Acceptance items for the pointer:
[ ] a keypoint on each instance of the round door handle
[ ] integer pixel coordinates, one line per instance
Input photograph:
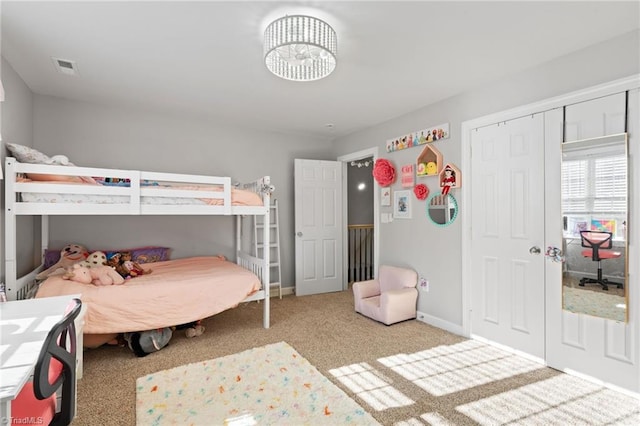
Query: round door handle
(299, 234)
(535, 250)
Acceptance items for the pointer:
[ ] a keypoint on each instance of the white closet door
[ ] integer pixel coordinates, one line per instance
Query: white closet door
(595, 118)
(507, 247)
(597, 347)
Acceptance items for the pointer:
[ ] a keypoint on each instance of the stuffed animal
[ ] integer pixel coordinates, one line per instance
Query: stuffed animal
(97, 258)
(192, 329)
(114, 261)
(132, 267)
(142, 343)
(69, 255)
(98, 275)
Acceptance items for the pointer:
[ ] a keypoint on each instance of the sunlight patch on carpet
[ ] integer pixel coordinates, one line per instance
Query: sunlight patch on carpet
(432, 419)
(370, 385)
(272, 384)
(562, 399)
(452, 368)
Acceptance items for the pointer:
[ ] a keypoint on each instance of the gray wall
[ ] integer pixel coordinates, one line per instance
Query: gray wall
(94, 135)
(17, 127)
(105, 136)
(436, 252)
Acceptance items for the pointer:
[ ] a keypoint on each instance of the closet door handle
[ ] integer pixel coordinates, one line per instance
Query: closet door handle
(535, 250)
(299, 234)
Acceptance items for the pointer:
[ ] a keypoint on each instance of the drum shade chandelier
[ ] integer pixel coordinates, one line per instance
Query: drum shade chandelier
(300, 48)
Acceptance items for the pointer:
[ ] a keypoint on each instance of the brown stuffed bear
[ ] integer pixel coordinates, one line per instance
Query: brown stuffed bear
(133, 267)
(115, 262)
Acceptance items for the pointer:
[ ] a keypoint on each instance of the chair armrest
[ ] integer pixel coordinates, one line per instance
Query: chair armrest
(398, 305)
(364, 289)
(403, 296)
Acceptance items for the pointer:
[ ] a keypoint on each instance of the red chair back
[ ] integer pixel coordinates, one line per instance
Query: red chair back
(55, 367)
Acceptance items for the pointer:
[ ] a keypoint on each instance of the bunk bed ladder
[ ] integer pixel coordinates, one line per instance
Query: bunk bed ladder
(258, 225)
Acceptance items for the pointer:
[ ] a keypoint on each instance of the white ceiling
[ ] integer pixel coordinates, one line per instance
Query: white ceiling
(204, 59)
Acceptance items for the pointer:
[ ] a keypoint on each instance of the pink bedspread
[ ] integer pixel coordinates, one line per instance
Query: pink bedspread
(176, 292)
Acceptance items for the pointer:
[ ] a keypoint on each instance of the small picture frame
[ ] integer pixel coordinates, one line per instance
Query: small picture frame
(408, 176)
(385, 196)
(402, 204)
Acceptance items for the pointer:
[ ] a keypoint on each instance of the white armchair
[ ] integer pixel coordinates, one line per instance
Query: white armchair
(390, 298)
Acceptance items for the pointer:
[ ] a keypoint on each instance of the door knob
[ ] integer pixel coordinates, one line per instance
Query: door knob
(555, 254)
(535, 250)
(299, 234)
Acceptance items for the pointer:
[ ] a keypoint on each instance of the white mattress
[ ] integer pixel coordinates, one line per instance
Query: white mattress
(34, 197)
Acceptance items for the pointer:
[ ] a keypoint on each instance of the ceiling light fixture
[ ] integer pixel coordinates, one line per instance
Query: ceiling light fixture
(300, 48)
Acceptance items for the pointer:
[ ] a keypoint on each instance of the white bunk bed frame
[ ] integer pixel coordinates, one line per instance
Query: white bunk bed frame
(17, 288)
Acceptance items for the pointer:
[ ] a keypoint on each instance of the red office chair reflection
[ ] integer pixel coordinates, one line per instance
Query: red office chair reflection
(56, 366)
(599, 244)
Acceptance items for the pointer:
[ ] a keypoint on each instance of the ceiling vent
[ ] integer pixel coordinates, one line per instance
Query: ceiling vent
(65, 66)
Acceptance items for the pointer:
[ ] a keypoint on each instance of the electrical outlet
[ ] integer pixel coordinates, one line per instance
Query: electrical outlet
(423, 284)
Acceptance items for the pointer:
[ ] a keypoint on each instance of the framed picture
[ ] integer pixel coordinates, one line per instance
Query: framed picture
(402, 204)
(407, 176)
(385, 196)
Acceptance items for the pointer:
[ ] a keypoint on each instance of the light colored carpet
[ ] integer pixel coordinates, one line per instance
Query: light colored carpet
(267, 385)
(407, 374)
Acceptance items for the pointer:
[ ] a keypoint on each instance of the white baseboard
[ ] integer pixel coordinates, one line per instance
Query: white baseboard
(509, 349)
(285, 291)
(440, 323)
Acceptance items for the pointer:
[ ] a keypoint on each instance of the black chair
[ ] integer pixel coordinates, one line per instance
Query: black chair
(598, 245)
(56, 366)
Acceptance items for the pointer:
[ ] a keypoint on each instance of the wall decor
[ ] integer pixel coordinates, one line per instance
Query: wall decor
(421, 191)
(407, 176)
(450, 178)
(442, 209)
(429, 162)
(419, 137)
(384, 172)
(402, 204)
(385, 196)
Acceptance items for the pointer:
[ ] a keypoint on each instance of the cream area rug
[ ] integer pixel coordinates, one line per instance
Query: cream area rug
(582, 301)
(268, 385)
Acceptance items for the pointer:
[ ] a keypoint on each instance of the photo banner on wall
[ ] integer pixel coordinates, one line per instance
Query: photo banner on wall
(419, 137)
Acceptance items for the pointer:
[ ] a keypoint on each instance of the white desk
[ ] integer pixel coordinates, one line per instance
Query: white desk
(24, 325)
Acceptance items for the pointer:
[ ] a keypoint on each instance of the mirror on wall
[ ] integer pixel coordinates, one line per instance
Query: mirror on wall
(442, 209)
(595, 220)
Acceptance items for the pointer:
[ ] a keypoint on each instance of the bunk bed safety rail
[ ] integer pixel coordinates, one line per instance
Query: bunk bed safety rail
(262, 186)
(252, 264)
(160, 186)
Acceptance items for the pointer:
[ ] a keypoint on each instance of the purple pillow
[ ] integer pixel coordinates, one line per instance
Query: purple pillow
(145, 254)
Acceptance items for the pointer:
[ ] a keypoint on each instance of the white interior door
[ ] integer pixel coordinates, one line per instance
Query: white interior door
(598, 347)
(318, 226)
(507, 234)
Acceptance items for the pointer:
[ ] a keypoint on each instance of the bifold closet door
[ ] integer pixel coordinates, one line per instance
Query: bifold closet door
(507, 234)
(605, 349)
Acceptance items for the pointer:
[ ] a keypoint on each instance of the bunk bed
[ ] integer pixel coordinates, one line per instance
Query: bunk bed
(46, 190)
